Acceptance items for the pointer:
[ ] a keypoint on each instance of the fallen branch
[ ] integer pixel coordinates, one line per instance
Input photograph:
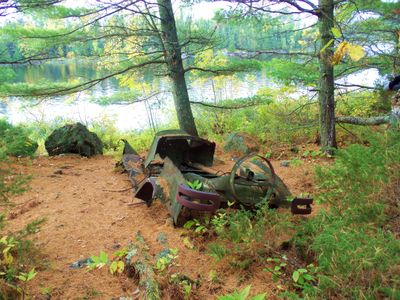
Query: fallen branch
(364, 121)
(136, 203)
(118, 191)
(226, 107)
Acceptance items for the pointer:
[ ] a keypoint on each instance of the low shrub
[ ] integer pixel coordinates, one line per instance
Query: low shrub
(15, 141)
(355, 251)
(18, 257)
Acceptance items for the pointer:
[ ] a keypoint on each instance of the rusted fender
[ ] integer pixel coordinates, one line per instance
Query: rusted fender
(152, 188)
(186, 196)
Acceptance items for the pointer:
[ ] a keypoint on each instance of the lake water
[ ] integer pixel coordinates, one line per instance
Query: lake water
(158, 109)
(82, 107)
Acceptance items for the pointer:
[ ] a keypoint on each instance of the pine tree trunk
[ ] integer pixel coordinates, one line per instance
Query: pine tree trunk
(175, 67)
(326, 81)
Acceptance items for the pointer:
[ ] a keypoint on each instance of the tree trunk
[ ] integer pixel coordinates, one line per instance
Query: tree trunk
(175, 67)
(326, 81)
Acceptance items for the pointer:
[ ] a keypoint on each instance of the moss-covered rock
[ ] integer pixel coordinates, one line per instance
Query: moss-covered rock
(74, 138)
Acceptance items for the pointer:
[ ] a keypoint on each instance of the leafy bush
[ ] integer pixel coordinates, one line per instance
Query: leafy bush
(15, 141)
(107, 132)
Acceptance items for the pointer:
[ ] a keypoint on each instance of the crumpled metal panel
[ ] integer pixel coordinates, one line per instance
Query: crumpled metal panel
(173, 178)
(179, 146)
(133, 165)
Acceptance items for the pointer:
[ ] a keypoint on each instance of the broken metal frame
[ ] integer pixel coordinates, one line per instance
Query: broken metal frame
(163, 176)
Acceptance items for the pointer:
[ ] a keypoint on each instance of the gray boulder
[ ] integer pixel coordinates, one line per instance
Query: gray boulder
(74, 138)
(240, 143)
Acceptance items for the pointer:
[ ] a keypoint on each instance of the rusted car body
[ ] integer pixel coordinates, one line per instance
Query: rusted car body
(176, 159)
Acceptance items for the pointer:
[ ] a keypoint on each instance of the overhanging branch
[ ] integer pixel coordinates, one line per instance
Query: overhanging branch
(225, 107)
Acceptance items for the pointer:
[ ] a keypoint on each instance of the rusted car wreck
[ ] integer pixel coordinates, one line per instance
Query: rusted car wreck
(176, 159)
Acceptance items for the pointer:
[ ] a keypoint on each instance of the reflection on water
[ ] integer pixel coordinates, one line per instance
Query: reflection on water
(158, 109)
(56, 71)
(80, 106)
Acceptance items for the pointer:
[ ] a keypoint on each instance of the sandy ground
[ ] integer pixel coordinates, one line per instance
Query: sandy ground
(88, 207)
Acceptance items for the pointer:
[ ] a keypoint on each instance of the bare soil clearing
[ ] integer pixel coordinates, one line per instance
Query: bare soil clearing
(88, 208)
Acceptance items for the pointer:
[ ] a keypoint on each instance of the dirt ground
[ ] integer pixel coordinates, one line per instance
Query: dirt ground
(88, 207)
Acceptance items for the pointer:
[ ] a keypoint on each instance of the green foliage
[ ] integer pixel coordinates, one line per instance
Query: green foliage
(303, 277)
(279, 117)
(11, 184)
(108, 133)
(218, 251)
(15, 141)
(25, 277)
(195, 185)
(352, 238)
(242, 295)
(276, 269)
(16, 259)
(16, 253)
(313, 153)
(296, 162)
(98, 261)
(213, 277)
(32, 227)
(6, 73)
(165, 259)
(184, 282)
(199, 227)
(119, 97)
(117, 266)
(57, 11)
(292, 72)
(364, 104)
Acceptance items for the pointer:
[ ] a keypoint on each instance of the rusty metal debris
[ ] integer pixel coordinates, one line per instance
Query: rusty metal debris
(176, 159)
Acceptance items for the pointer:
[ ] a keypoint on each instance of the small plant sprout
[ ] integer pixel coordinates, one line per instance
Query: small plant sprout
(276, 270)
(302, 277)
(9, 243)
(98, 261)
(219, 221)
(117, 266)
(196, 224)
(184, 282)
(218, 251)
(25, 277)
(121, 253)
(213, 277)
(296, 162)
(166, 259)
(243, 295)
(195, 185)
(188, 244)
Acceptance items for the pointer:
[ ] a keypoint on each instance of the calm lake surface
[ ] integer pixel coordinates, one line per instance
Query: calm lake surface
(158, 109)
(82, 107)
